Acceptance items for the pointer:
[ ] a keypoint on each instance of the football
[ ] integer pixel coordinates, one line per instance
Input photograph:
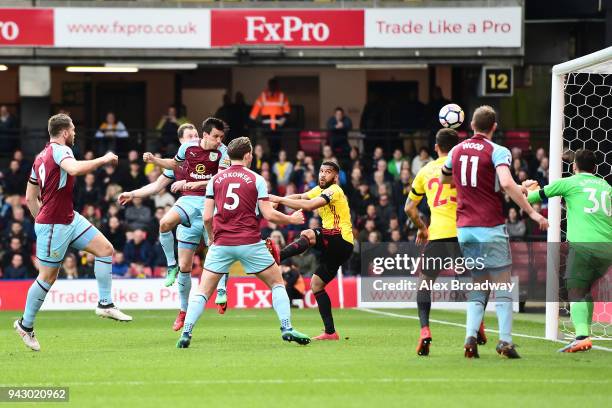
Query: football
(451, 116)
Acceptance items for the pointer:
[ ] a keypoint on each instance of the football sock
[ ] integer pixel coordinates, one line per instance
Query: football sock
(424, 306)
(223, 282)
(36, 296)
(296, 247)
(184, 287)
(590, 305)
(166, 239)
(503, 308)
(325, 311)
(194, 311)
(579, 312)
(475, 312)
(103, 269)
(280, 303)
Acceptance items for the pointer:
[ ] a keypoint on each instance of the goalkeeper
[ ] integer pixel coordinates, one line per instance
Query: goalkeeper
(589, 232)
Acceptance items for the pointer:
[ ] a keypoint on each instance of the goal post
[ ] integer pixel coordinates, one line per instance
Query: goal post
(599, 63)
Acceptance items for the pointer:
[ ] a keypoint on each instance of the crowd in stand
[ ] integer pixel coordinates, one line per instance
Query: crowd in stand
(377, 186)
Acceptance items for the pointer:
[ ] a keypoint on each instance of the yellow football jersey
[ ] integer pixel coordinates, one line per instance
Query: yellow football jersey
(336, 215)
(442, 199)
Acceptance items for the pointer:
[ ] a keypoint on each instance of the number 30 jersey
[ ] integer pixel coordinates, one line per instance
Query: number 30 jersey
(237, 192)
(55, 184)
(441, 198)
(479, 197)
(589, 210)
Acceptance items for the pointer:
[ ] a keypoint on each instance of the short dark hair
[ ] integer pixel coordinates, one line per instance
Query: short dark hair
(484, 118)
(339, 108)
(585, 160)
(57, 123)
(332, 165)
(446, 138)
(213, 123)
(183, 127)
(238, 147)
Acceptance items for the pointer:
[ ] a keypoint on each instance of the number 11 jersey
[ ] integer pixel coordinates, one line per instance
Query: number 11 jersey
(479, 197)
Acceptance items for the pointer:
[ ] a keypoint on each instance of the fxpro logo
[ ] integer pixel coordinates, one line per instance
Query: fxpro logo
(291, 29)
(9, 30)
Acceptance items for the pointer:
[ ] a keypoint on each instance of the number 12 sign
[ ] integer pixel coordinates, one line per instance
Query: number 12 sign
(497, 81)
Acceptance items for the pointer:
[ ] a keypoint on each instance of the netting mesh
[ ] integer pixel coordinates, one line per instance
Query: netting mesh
(587, 125)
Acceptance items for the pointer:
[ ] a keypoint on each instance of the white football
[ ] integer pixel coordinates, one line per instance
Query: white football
(451, 116)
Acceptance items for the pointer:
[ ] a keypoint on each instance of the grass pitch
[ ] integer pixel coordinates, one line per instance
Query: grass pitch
(238, 359)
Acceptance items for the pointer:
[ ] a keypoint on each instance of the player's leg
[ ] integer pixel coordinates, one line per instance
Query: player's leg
(52, 242)
(197, 304)
(318, 282)
(93, 241)
(580, 275)
(428, 275)
(307, 239)
(218, 261)
(177, 215)
(256, 259)
(185, 261)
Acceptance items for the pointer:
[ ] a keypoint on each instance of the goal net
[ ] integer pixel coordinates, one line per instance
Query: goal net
(581, 118)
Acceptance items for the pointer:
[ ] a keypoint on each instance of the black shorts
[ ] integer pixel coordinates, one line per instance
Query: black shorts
(436, 253)
(336, 251)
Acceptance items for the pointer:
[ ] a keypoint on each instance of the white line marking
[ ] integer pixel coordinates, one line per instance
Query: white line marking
(444, 322)
(317, 380)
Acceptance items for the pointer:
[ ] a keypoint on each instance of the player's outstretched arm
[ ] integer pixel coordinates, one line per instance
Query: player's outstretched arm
(304, 203)
(145, 191)
(277, 217)
(81, 167)
(32, 194)
(168, 164)
(516, 194)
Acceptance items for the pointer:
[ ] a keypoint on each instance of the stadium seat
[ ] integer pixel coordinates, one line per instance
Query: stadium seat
(518, 138)
(311, 142)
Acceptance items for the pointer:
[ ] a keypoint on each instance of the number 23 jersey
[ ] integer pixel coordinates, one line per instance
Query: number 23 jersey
(441, 198)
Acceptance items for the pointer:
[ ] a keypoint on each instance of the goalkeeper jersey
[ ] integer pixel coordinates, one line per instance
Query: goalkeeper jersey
(589, 210)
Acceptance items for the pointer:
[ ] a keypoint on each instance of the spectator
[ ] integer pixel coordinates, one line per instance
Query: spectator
(108, 175)
(8, 130)
(306, 263)
(379, 180)
(282, 169)
(381, 166)
(362, 199)
(168, 127)
(16, 247)
(542, 172)
(516, 227)
(92, 214)
(20, 217)
(137, 216)
(273, 109)
(421, 160)
(401, 188)
(396, 236)
(224, 112)
(139, 254)
(533, 229)
(374, 237)
(258, 159)
(16, 269)
(88, 261)
(298, 168)
(120, 266)
(377, 155)
(394, 167)
(69, 268)
(108, 133)
(16, 231)
(114, 232)
(88, 193)
(135, 178)
(338, 127)
(385, 210)
(369, 226)
(15, 179)
(24, 165)
(278, 238)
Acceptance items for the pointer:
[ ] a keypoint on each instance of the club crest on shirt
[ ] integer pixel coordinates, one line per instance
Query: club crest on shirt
(200, 169)
(213, 156)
